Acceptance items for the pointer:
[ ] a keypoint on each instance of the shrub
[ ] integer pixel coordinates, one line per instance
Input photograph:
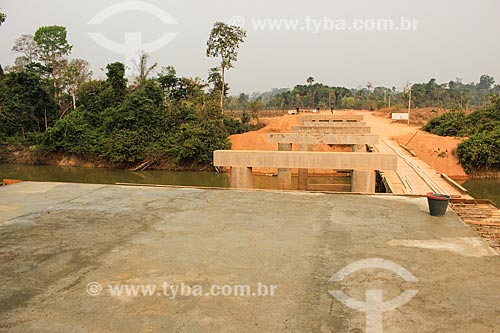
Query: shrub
(481, 151)
(449, 124)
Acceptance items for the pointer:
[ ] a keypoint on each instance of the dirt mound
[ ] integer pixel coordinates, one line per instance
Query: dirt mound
(257, 140)
(437, 151)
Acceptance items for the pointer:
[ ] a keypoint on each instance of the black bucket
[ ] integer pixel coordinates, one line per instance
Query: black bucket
(438, 203)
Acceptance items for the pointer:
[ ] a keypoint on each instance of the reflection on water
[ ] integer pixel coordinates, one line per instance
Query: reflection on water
(484, 189)
(112, 176)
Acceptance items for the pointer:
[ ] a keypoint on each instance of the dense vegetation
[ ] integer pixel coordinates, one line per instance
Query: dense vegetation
(481, 150)
(453, 95)
(51, 103)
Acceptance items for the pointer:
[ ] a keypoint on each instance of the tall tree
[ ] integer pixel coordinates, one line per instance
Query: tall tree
(27, 46)
(143, 69)
(53, 44)
(223, 43)
(75, 74)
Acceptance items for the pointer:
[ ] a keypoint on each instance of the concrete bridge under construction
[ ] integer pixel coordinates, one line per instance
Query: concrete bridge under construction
(399, 169)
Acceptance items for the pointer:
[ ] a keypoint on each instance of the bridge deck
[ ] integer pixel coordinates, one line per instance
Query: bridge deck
(58, 238)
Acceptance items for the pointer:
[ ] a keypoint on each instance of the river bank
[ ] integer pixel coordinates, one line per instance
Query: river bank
(10, 154)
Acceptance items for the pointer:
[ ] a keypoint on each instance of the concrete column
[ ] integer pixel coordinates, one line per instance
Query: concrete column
(363, 181)
(284, 146)
(285, 175)
(285, 179)
(303, 173)
(241, 177)
(359, 149)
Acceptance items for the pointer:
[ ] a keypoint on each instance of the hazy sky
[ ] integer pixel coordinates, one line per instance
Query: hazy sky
(454, 38)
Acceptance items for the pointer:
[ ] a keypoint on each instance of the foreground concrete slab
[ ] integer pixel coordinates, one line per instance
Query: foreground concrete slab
(305, 160)
(54, 257)
(327, 139)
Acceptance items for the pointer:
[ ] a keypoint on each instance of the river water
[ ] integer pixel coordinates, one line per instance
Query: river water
(51, 173)
(484, 189)
(479, 188)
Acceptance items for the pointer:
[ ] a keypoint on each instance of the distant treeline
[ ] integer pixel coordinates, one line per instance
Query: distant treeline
(454, 95)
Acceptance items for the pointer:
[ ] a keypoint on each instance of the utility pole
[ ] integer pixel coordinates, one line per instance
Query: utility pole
(409, 103)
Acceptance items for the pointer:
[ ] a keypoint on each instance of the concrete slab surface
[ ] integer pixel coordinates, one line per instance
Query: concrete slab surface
(60, 238)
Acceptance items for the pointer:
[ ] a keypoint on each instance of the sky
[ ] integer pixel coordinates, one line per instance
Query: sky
(340, 43)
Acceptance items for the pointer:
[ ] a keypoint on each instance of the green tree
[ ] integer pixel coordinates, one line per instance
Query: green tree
(215, 78)
(25, 105)
(223, 43)
(348, 102)
(117, 80)
(53, 45)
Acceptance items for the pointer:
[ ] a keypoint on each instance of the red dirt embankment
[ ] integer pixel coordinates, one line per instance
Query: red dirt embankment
(437, 151)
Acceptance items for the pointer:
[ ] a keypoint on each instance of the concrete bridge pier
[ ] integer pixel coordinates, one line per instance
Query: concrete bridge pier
(363, 181)
(359, 148)
(241, 177)
(284, 175)
(303, 173)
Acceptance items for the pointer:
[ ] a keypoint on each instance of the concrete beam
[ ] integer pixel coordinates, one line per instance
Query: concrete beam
(331, 130)
(306, 160)
(327, 139)
(359, 148)
(335, 124)
(332, 118)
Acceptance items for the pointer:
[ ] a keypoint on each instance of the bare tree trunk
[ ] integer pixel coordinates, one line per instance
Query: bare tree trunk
(73, 97)
(46, 122)
(222, 90)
